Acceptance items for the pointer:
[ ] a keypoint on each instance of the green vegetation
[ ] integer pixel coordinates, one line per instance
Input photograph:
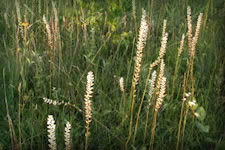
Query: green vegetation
(49, 50)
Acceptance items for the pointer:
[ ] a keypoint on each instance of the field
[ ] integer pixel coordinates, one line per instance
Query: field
(113, 74)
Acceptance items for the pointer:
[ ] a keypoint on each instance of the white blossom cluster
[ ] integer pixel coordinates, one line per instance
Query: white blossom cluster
(87, 99)
(67, 135)
(56, 103)
(51, 132)
(143, 32)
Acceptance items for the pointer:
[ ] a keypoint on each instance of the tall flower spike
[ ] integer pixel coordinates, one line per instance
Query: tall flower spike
(159, 100)
(181, 45)
(195, 38)
(164, 27)
(51, 132)
(163, 46)
(87, 101)
(143, 32)
(67, 135)
(189, 29)
(161, 74)
(152, 87)
(49, 33)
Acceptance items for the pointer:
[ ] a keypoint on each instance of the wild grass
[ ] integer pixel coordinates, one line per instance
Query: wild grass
(114, 74)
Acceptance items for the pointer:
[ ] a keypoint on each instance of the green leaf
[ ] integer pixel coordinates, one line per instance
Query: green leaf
(202, 127)
(200, 113)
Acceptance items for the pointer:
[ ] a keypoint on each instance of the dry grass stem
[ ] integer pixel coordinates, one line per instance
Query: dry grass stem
(181, 114)
(18, 12)
(180, 50)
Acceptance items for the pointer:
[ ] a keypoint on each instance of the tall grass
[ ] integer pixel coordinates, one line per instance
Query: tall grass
(158, 74)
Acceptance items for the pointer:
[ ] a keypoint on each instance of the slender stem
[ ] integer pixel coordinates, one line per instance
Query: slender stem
(132, 98)
(86, 137)
(11, 128)
(147, 114)
(184, 124)
(175, 76)
(122, 108)
(140, 106)
(146, 125)
(19, 113)
(153, 130)
(181, 115)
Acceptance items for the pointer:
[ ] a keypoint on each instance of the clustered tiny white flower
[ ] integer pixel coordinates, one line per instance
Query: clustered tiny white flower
(67, 135)
(51, 132)
(122, 84)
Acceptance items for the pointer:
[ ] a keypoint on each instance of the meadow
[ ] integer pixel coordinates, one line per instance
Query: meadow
(124, 74)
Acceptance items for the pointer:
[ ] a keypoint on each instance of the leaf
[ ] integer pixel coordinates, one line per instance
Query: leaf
(200, 113)
(202, 127)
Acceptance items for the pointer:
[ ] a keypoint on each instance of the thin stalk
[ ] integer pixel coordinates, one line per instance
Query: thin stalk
(180, 49)
(181, 115)
(147, 118)
(11, 128)
(151, 97)
(124, 112)
(132, 100)
(19, 113)
(153, 130)
(86, 140)
(175, 76)
(146, 125)
(137, 67)
(184, 124)
(140, 106)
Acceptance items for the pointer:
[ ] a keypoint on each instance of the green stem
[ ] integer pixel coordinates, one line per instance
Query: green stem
(153, 130)
(142, 100)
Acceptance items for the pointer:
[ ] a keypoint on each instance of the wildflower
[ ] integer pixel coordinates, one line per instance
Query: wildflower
(24, 24)
(161, 94)
(51, 132)
(122, 84)
(67, 135)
